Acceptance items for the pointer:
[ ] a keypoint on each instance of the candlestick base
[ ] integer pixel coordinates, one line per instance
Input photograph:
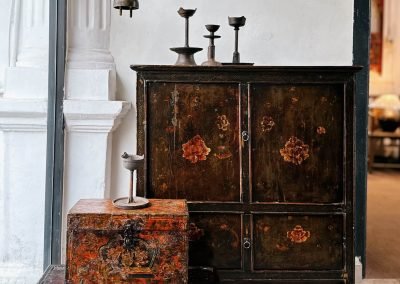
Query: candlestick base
(185, 57)
(211, 62)
(139, 202)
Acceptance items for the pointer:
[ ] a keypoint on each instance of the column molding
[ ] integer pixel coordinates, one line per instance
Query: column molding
(94, 116)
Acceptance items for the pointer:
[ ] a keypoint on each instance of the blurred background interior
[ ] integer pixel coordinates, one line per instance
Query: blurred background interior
(383, 222)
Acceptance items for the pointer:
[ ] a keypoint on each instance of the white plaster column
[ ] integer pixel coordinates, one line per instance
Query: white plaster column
(26, 78)
(91, 67)
(23, 124)
(91, 113)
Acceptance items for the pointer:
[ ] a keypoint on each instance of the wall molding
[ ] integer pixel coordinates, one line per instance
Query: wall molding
(23, 115)
(94, 116)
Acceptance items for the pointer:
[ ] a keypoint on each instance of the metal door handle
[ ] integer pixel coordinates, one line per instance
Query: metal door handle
(245, 136)
(246, 243)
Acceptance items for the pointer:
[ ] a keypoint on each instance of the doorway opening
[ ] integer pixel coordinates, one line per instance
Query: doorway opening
(383, 191)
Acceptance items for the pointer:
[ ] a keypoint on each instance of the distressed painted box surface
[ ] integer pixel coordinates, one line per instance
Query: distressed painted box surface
(110, 245)
(264, 156)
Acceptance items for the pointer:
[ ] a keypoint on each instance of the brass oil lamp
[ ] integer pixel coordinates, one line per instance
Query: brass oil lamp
(131, 163)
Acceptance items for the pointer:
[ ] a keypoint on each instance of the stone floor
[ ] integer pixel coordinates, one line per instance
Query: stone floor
(383, 225)
(383, 228)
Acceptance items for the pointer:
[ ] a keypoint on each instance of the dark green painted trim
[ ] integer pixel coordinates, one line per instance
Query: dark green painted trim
(361, 39)
(55, 134)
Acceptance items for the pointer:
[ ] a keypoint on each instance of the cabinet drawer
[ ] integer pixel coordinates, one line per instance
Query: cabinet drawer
(298, 242)
(215, 240)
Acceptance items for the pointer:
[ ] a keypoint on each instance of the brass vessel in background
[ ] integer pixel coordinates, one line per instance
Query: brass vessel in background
(126, 5)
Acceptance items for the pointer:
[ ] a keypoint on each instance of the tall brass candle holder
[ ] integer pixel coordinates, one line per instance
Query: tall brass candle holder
(237, 23)
(186, 53)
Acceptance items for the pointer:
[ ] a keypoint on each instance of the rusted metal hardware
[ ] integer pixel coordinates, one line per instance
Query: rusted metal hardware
(126, 5)
(186, 53)
(211, 48)
(246, 243)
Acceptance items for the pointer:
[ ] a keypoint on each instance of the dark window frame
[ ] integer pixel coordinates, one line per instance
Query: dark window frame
(361, 46)
(55, 133)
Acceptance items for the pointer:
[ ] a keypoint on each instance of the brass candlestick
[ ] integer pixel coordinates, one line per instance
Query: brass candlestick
(186, 53)
(237, 22)
(132, 163)
(211, 48)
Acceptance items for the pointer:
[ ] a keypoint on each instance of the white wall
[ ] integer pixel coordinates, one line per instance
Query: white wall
(23, 119)
(284, 32)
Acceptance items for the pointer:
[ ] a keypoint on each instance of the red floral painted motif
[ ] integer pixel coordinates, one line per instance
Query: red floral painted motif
(223, 122)
(298, 235)
(321, 130)
(267, 123)
(295, 100)
(195, 150)
(223, 153)
(295, 151)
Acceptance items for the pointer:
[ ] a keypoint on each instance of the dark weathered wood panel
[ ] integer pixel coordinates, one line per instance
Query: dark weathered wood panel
(215, 240)
(298, 242)
(301, 193)
(193, 137)
(297, 143)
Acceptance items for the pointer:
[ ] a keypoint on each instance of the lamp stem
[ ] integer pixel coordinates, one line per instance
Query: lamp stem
(186, 32)
(130, 197)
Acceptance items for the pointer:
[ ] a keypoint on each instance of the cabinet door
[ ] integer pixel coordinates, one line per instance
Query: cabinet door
(193, 138)
(297, 143)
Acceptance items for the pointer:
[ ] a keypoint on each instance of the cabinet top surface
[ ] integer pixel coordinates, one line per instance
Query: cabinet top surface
(105, 207)
(232, 68)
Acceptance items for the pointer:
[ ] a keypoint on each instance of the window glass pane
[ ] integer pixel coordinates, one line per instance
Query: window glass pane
(24, 41)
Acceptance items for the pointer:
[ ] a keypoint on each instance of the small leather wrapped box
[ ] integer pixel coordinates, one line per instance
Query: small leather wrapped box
(110, 245)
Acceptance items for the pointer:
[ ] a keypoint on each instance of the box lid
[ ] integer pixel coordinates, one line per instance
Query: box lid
(100, 214)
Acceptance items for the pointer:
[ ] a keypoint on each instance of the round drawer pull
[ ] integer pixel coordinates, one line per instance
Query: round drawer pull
(246, 243)
(245, 136)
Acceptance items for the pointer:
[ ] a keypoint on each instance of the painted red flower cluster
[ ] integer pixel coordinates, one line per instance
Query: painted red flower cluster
(298, 235)
(295, 151)
(195, 150)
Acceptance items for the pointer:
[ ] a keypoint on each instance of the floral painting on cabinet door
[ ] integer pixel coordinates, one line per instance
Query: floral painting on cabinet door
(196, 144)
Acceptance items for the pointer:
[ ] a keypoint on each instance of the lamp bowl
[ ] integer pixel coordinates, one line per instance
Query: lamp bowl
(212, 28)
(132, 162)
(186, 13)
(237, 21)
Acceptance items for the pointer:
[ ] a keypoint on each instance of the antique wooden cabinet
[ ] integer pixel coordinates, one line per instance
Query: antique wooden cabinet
(110, 245)
(264, 155)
